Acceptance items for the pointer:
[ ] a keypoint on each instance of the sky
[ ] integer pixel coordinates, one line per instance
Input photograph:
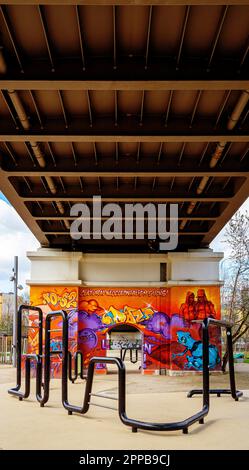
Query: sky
(16, 239)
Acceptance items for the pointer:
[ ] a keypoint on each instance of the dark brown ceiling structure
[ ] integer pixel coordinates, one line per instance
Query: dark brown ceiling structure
(133, 100)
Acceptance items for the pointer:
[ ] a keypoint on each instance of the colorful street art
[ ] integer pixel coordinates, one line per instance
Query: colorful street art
(186, 347)
(52, 299)
(162, 317)
(102, 309)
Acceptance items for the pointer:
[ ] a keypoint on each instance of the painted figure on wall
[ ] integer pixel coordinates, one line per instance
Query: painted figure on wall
(204, 307)
(193, 350)
(186, 342)
(188, 309)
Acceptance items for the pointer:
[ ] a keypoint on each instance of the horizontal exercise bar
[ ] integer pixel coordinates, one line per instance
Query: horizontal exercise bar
(102, 406)
(103, 396)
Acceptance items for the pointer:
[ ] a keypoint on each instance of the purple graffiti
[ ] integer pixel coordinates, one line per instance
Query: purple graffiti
(159, 323)
(177, 321)
(92, 321)
(88, 338)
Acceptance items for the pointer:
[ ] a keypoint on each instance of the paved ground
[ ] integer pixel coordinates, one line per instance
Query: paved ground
(24, 425)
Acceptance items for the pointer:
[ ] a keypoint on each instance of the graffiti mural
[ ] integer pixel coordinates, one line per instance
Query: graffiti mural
(163, 317)
(50, 299)
(186, 343)
(101, 309)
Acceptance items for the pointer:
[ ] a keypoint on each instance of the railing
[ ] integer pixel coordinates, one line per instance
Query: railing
(6, 349)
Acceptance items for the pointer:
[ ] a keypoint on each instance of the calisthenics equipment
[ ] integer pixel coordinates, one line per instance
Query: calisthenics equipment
(44, 362)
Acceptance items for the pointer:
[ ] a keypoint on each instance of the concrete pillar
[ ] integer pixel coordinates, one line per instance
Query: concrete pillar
(159, 293)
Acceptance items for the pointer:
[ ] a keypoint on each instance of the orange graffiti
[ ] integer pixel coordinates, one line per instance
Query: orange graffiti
(67, 300)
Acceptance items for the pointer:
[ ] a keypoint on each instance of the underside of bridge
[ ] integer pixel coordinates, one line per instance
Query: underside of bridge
(139, 101)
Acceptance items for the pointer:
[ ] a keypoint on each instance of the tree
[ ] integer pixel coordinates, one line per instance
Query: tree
(6, 322)
(235, 295)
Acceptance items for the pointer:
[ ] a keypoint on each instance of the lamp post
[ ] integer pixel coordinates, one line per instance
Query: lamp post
(14, 279)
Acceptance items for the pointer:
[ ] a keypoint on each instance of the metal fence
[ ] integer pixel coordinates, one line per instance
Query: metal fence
(6, 348)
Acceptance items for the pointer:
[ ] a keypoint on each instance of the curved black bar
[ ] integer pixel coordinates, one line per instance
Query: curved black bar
(133, 360)
(136, 424)
(89, 381)
(16, 390)
(222, 391)
(72, 377)
(42, 399)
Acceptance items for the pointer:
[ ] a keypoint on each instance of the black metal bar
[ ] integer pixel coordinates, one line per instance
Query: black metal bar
(43, 399)
(136, 424)
(133, 423)
(122, 354)
(232, 391)
(77, 373)
(108, 397)
(133, 361)
(103, 406)
(16, 390)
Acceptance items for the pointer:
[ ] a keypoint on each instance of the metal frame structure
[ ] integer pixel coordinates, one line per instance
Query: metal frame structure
(29, 357)
(121, 399)
(221, 391)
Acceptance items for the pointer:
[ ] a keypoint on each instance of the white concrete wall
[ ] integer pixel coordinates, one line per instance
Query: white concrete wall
(200, 266)
(49, 266)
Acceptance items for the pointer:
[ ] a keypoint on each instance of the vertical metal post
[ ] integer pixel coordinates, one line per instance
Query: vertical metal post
(205, 369)
(15, 280)
(231, 362)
